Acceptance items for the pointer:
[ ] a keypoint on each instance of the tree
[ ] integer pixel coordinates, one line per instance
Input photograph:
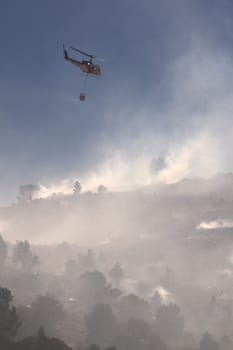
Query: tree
(156, 302)
(131, 306)
(116, 274)
(63, 251)
(71, 268)
(3, 251)
(41, 341)
(126, 342)
(145, 340)
(226, 343)
(77, 187)
(102, 189)
(168, 279)
(134, 335)
(157, 164)
(101, 324)
(93, 347)
(208, 343)
(169, 322)
(27, 192)
(96, 347)
(93, 280)
(23, 255)
(91, 287)
(87, 261)
(45, 311)
(9, 321)
(138, 329)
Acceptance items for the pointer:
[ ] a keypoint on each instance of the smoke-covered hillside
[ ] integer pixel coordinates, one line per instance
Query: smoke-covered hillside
(97, 218)
(127, 269)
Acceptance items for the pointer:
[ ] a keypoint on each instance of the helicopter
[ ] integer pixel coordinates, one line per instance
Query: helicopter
(86, 66)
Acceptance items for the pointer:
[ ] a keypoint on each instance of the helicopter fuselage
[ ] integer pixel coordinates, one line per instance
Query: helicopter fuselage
(86, 67)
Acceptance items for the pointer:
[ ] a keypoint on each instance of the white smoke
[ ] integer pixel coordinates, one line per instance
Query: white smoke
(215, 224)
(123, 171)
(4, 226)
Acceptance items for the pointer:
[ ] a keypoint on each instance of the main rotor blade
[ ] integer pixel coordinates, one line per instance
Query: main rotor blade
(101, 59)
(82, 52)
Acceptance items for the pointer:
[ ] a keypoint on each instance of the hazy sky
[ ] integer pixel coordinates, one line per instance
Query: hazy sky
(166, 90)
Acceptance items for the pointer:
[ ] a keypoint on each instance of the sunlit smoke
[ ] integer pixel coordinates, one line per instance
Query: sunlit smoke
(64, 187)
(165, 294)
(4, 226)
(197, 156)
(211, 225)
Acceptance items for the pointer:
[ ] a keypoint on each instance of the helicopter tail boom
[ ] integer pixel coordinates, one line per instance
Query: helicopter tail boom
(66, 56)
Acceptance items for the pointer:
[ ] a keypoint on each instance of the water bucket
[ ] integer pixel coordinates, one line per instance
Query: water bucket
(82, 96)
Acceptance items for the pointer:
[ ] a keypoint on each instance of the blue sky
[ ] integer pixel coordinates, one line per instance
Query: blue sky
(166, 75)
